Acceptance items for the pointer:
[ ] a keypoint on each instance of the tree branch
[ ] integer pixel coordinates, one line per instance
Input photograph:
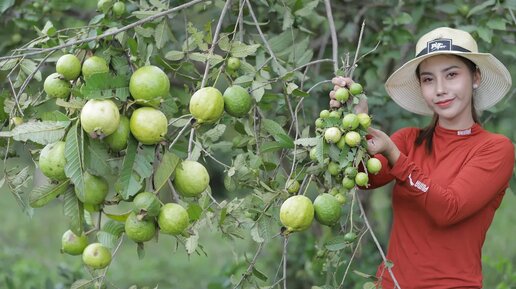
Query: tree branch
(260, 31)
(214, 41)
(362, 211)
(104, 35)
(334, 43)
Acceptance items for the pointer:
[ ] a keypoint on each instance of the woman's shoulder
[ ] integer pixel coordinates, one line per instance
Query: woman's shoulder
(496, 141)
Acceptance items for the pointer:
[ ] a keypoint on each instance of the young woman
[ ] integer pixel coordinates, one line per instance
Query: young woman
(451, 176)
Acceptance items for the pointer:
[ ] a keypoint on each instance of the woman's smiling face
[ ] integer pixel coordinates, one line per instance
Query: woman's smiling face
(447, 86)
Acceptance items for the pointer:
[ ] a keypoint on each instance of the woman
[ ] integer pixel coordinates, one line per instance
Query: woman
(451, 176)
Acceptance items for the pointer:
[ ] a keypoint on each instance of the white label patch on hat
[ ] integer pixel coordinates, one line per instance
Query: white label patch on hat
(439, 45)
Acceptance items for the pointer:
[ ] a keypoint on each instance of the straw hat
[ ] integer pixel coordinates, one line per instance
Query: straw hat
(403, 85)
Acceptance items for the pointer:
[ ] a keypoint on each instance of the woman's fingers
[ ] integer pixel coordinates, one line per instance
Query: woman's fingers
(332, 94)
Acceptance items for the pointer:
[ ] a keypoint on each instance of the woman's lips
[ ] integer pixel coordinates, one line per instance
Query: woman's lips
(444, 103)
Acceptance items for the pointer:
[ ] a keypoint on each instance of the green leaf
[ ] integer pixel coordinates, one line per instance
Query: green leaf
(28, 66)
(496, 23)
(125, 183)
(117, 217)
(213, 59)
(5, 4)
(175, 55)
(271, 147)
(42, 195)
(96, 157)
(335, 244)
(481, 7)
(365, 275)
(485, 33)
(104, 85)
(81, 284)
(255, 234)
(54, 115)
(239, 49)
(74, 210)
(288, 19)
(192, 243)
(215, 133)
(74, 167)
(165, 169)
(145, 32)
(369, 285)
(244, 79)
(160, 34)
(42, 132)
(319, 150)
(110, 233)
(403, 19)
(308, 9)
(143, 161)
(307, 142)
(194, 212)
(259, 274)
(285, 141)
(272, 127)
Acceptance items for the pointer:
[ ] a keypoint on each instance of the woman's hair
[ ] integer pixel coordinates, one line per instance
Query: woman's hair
(426, 134)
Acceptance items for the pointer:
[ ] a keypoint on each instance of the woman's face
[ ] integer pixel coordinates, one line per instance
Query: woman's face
(447, 86)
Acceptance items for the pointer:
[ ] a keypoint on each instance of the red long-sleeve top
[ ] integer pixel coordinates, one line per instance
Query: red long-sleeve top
(443, 204)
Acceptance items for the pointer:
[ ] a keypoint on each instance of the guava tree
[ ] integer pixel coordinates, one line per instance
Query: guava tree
(161, 119)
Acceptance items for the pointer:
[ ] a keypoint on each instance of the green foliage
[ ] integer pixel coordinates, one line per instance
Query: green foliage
(285, 66)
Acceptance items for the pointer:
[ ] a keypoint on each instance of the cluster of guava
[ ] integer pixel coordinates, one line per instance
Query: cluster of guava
(343, 132)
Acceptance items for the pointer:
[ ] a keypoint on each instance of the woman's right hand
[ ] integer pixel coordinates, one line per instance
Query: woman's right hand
(380, 143)
(339, 82)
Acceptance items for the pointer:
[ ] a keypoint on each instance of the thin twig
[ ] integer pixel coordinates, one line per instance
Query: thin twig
(512, 15)
(317, 84)
(104, 35)
(351, 259)
(251, 265)
(215, 37)
(285, 242)
(334, 42)
(362, 211)
(358, 49)
(212, 157)
(175, 196)
(180, 133)
(260, 31)
(190, 142)
(113, 255)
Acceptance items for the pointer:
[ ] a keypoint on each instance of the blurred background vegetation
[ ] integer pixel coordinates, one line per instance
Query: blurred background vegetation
(29, 254)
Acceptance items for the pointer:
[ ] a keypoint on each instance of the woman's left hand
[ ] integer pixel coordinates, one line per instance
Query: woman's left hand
(380, 143)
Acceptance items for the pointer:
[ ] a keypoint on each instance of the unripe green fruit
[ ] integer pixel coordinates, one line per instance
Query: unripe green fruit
(313, 155)
(73, 244)
(191, 178)
(332, 135)
(361, 179)
(356, 88)
(56, 86)
(117, 141)
(173, 219)
(348, 183)
(297, 213)
(94, 65)
(100, 118)
(333, 168)
(351, 171)
(350, 237)
(118, 9)
(233, 63)
(149, 85)
(148, 125)
(96, 189)
(146, 202)
(352, 138)
(292, 186)
(350, 121)
(96, 256)
(374, 166)
(327, 209)
(342, 94)
(335, 114)
(341, 198)
(319, 123)
(52, 161)
(324, 113)
(139, 230)
(364, 119)
(69, 66)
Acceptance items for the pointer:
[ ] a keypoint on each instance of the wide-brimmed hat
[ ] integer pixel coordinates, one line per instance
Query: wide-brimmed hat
(403, 85)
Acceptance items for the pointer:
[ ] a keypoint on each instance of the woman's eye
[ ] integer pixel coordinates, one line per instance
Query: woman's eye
(426, 79)
(452, 74)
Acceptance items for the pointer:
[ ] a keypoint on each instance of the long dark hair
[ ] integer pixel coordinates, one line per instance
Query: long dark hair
(426, 134)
